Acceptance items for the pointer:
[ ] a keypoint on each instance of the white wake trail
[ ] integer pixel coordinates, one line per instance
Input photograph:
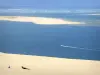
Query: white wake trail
(79, 48)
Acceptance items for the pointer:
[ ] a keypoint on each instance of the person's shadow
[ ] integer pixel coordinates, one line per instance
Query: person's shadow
(25, 68)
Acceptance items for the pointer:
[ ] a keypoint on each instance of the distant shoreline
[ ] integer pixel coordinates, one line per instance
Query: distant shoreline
(39, 20)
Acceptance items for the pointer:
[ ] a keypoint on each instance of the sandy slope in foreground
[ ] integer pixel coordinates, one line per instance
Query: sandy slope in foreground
(38, 20)
(40, 65)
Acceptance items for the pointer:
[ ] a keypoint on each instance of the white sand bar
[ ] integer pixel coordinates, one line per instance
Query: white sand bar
(40, 65)
(38, 20)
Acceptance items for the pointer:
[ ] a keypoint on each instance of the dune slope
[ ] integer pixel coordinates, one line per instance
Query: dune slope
(40, 65)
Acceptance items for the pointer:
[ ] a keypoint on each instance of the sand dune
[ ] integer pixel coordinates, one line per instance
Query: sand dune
(40, 65)
(38, 20)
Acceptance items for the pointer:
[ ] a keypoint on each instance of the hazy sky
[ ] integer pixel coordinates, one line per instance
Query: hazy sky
(50, 4)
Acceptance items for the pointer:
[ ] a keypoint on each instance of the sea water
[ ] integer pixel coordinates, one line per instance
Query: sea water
(65, 41)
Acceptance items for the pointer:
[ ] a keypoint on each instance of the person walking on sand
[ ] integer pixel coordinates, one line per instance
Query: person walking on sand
(8, 66)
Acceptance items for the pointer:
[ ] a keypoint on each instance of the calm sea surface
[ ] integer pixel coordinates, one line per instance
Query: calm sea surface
(65, 41)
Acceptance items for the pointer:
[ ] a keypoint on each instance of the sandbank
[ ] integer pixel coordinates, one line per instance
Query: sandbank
(39, 20)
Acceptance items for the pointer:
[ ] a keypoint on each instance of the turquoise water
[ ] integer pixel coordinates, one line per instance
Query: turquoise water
(65, 41)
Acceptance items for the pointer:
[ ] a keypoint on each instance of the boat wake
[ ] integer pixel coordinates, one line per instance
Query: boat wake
(79, 48)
